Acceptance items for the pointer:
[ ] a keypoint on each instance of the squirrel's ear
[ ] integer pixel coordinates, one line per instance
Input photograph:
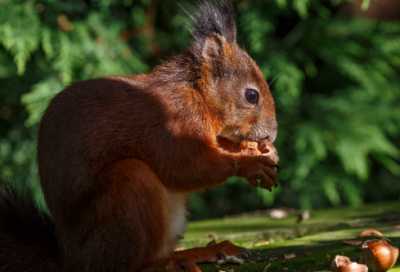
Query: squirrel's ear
(213, 49)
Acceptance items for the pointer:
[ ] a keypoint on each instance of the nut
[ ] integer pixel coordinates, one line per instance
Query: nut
(263, 148)
(268, 149)
(343, 264)
(352, 242)
(249, 148)
(379, 255)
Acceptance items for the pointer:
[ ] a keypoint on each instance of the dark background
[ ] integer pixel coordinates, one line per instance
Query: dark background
(333, 68)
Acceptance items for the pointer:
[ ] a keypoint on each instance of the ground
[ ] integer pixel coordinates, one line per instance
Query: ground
(322, 234)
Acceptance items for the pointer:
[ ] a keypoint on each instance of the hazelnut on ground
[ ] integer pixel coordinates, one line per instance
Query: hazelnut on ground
(343, 264)
(379, 255)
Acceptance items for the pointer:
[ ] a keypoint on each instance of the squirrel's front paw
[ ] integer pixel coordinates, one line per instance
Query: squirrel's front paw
(258, 167)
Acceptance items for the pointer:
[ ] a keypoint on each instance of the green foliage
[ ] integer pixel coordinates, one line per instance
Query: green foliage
(335, 79)
(336, 91)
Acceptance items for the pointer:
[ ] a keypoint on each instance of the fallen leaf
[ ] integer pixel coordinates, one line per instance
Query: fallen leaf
(285, 268)
(230, 259)
(357, 225)
(266, 267)
(278, 214)
(370, 232)
(180, 248)
(290, 256)
(352, 242)
(328, 257)
(303, 216)
(397, 226)
(262, 243)
(211, 235)
(308, 253)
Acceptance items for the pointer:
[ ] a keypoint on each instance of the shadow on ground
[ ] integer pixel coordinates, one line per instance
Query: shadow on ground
(315, 242)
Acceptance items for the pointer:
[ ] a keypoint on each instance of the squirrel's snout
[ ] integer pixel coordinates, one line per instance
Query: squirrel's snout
(272, 131)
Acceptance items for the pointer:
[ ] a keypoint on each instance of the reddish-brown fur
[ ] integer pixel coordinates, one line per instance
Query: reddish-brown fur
(118, 156)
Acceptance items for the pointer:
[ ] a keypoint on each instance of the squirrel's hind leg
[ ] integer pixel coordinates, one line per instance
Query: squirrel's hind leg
(123, 223)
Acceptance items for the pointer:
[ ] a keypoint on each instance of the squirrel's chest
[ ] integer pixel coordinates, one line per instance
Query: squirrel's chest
(175, 219)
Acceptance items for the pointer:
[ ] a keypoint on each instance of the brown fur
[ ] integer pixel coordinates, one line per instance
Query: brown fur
(116, 153)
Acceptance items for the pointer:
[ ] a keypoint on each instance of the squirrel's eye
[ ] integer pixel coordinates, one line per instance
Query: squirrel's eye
(252, 96)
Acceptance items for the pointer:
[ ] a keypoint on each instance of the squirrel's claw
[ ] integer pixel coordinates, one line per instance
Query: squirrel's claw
(244, 252)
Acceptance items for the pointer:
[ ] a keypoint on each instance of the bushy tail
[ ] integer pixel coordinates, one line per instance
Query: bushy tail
(27, 237)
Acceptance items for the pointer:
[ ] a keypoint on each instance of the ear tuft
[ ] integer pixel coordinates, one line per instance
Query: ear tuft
(212, 16)
(212, 48)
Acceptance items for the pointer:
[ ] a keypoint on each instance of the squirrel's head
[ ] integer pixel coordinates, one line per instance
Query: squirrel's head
(230, 81)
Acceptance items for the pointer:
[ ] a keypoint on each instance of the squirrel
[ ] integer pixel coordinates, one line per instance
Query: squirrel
(118, 158)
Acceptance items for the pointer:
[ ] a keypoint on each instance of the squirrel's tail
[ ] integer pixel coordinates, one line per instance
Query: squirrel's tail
(27, 237)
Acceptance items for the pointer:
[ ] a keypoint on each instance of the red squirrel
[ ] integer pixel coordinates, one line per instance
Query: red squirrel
(119, 156)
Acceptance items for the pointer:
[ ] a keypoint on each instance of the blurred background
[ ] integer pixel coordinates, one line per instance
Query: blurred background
(333, 68)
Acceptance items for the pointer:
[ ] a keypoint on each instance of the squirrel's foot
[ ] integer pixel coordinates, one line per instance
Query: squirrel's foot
(226, 248)
(185, 260)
